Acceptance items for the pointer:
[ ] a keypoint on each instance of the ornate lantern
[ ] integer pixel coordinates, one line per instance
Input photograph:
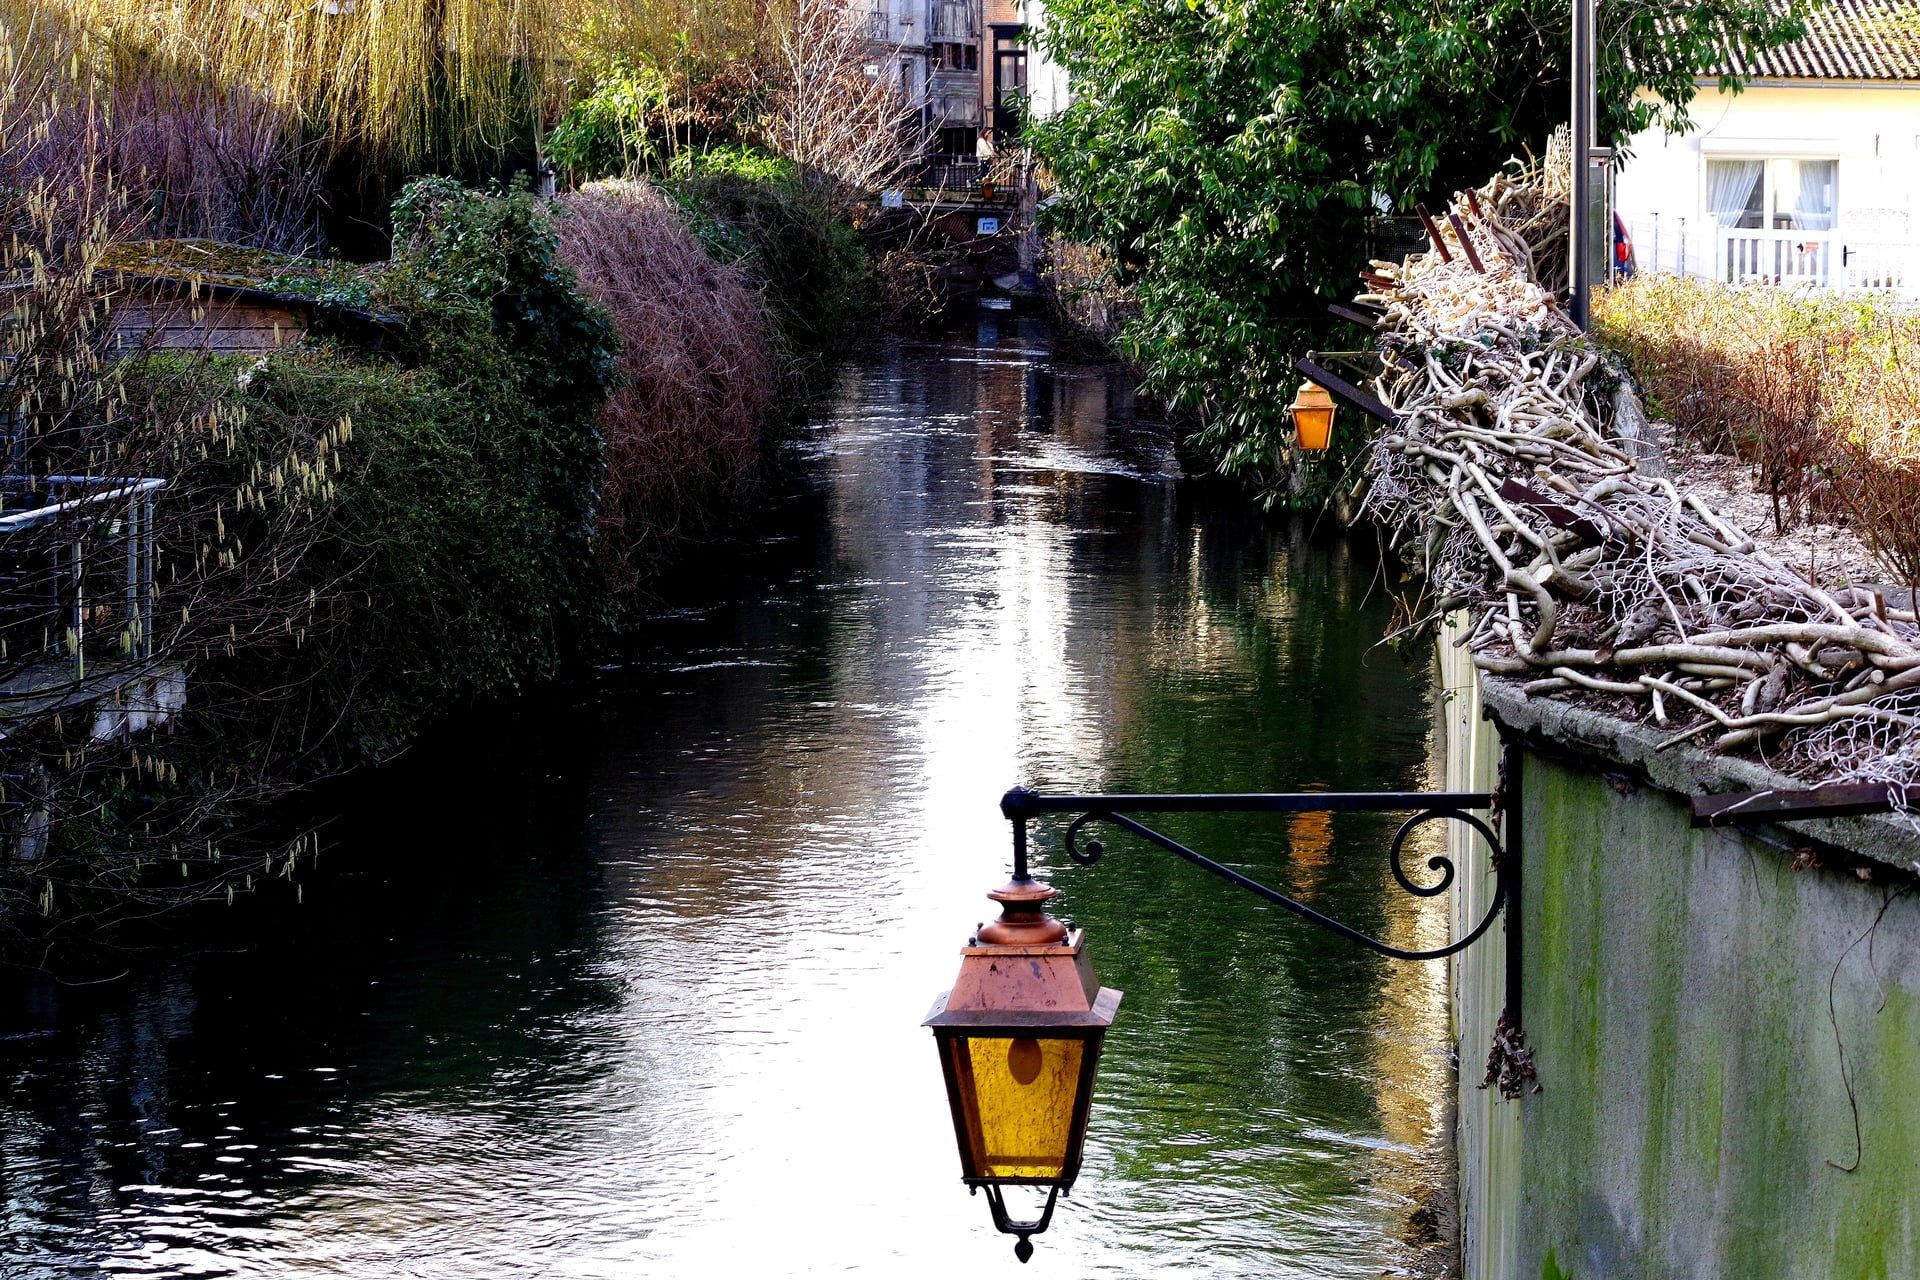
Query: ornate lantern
(1312, 410)
(1019, 1039)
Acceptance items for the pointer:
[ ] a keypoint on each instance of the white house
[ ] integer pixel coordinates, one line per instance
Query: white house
(1811, 174)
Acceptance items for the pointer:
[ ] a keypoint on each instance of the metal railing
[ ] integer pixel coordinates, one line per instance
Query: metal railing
(77, 576)
(954, 175)
(1826, 259)
(1746, 254)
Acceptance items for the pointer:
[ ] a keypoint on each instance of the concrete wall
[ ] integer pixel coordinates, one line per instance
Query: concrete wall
(1694, 1108)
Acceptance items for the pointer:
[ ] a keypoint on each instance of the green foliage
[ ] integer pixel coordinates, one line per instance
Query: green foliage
(796, 246)
(455, 578)
(499, 315)
(1227, 153)
(751, 164)
(455, 560)
(616, 128)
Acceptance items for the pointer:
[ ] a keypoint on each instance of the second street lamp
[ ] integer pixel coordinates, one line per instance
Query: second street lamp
(1312, 411)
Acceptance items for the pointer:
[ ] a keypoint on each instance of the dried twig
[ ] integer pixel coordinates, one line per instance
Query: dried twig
(1505, 478)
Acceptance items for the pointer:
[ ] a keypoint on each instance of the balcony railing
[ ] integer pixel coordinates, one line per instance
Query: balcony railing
(1776, 257)
(77, 579)
(1826, 259)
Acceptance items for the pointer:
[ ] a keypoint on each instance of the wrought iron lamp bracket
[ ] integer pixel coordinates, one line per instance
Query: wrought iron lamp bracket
(1091, 850)
(1021, 806)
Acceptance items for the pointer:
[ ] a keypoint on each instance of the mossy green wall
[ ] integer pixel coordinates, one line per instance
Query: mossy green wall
(1693, 1108)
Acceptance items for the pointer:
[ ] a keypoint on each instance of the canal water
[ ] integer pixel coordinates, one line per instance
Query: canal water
(627, 981)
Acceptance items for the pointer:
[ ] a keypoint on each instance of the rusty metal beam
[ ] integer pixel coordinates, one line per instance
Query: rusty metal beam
(1466, 242)
(1346, 392)
(1353, 315)
(1551, 508)
(1834, 800)
(1433, 233)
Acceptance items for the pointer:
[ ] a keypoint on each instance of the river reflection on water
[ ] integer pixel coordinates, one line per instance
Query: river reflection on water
(628, 983)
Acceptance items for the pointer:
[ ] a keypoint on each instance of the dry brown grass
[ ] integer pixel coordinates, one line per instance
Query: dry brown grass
(697, 371)
(1821, 394)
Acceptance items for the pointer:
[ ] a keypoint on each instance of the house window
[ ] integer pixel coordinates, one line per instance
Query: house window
(959, 144)
(1009, 79)
(1773, 193)
(957, 57)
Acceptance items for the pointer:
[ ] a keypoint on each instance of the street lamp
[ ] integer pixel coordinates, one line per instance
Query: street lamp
(1019, 1034)
(1019, 1037)
(1312, 411)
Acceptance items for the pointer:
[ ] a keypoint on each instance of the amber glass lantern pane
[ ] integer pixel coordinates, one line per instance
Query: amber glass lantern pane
(1312, 411)
(1021, 1096)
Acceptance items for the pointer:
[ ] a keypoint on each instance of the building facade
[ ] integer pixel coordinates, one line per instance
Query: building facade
(971, 69)
(1811, 175)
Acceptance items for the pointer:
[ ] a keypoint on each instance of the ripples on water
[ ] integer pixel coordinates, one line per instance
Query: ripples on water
(629, 984)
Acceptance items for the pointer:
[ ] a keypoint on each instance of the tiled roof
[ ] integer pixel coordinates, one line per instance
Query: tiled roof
(1845, 40)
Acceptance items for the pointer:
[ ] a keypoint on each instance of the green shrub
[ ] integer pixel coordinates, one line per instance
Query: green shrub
(455, 560)
(616, 128)
(751, 164)
(796, 247)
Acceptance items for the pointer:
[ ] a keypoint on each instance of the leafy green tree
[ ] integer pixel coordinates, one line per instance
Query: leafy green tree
(1227, 154)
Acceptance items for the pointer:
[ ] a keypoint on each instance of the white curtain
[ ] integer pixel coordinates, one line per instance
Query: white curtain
(1730, 186)
(1813, 207)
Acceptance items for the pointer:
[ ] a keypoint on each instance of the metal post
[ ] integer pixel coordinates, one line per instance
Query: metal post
(132, 526)
(148, 589)
(1512, 865)
(79, 611)
(1579, 267)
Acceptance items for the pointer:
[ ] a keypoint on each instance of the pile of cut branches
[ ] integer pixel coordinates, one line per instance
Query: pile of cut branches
(1507, 478)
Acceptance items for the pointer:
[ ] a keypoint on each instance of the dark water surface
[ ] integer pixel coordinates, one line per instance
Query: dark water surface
(628, 983)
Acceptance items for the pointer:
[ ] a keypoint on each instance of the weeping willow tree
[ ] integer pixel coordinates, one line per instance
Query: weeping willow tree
(401, 79)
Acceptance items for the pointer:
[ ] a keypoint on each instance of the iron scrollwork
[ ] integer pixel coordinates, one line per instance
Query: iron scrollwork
(1021, 805)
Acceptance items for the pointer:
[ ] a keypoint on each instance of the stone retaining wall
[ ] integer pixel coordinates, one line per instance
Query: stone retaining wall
(1707, 1009)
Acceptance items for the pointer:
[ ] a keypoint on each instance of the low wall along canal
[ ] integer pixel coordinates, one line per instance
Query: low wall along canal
(1726, 1023)
(627, 981)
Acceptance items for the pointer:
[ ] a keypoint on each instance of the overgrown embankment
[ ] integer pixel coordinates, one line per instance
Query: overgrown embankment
(384, 523)
(1818, 393)
(468, 463)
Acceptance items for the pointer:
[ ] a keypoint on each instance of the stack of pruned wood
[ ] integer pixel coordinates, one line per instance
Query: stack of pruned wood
(1507, 479)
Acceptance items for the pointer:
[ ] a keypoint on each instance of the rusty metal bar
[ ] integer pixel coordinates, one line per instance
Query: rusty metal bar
(1834, 800)
(1433, 232)
(1353, 315)
(1551, 508)
(1346, 392)
(1466, 242)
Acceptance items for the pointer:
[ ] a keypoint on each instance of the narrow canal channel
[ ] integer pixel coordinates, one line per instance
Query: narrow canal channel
(628, 983)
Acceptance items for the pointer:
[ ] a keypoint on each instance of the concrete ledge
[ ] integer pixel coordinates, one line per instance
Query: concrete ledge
(1889, 839)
